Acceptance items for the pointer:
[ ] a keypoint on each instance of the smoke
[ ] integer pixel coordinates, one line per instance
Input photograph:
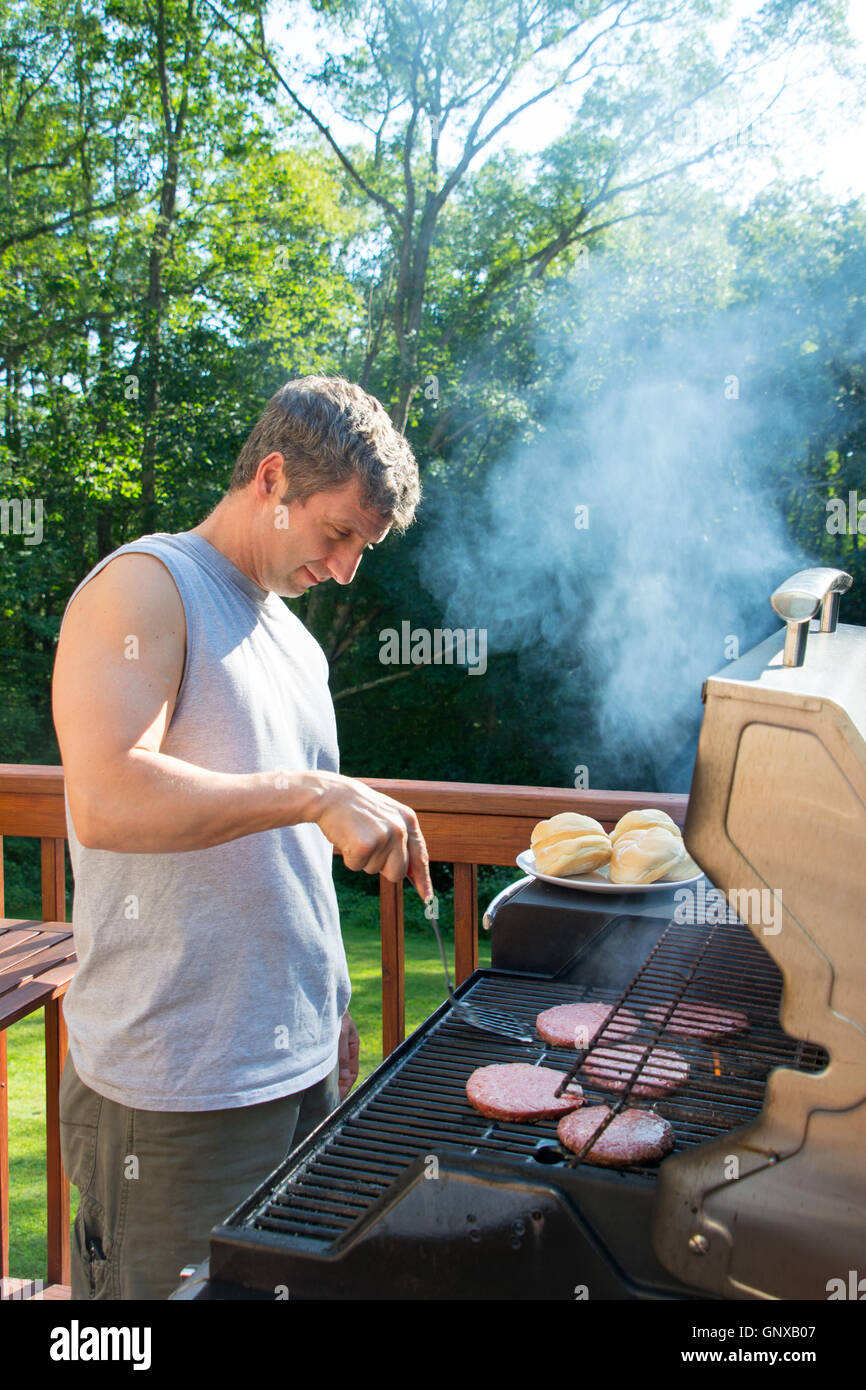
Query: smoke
(630, 550)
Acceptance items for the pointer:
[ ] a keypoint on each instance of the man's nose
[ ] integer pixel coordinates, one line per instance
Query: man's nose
(343, 566)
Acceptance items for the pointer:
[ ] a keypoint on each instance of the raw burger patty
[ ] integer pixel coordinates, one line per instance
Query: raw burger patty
(634, 1136)
(611, 1067)
(560, 1025)
(695, 1018)
(518, 1091)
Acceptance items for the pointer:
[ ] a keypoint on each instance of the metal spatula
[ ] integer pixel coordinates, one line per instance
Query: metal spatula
(486, 1020)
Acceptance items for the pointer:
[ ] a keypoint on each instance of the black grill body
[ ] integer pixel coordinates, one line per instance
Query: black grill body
(407, 1192)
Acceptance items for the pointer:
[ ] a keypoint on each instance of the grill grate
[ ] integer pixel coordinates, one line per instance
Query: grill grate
(421, 1105)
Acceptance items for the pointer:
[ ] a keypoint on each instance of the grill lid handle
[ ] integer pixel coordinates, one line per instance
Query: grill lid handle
(501, 897)
(797, 601)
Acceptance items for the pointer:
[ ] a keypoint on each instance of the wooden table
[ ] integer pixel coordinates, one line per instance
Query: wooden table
(37, 961)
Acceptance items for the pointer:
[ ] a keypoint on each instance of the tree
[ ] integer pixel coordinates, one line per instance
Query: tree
(163, 264)
(418, 72)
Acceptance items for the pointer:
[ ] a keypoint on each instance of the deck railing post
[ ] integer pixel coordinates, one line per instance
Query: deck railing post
(465, 920)
(4, 1125)
(57, 1183)
(4, 1160)
(57, 1197)
(393, 965)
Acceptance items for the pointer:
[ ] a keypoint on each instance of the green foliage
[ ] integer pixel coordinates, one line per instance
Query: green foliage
(176, 244)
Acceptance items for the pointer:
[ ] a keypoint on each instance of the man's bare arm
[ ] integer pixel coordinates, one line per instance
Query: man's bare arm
(118, 669)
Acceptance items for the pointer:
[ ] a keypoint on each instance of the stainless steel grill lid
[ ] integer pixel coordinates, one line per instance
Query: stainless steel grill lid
(777, 820)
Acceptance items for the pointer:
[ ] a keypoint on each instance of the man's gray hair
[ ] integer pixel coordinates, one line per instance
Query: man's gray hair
(328, 429)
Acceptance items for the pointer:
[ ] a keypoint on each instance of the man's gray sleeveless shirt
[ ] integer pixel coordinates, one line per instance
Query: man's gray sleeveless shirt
(217, 978)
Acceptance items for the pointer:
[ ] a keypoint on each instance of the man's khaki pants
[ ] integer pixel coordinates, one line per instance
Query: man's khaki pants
(154, 1182)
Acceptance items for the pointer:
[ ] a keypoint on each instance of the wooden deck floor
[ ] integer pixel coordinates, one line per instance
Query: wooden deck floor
(32, 1291)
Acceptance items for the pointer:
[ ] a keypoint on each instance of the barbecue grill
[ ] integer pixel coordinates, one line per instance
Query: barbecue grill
(408, 1192)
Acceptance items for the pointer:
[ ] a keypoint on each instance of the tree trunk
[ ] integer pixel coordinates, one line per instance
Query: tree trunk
(104, 542)
(153, 313)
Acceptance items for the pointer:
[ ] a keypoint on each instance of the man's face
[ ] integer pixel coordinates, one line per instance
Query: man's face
(324, 539)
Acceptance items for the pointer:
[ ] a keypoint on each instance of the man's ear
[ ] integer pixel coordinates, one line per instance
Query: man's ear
(270, 476)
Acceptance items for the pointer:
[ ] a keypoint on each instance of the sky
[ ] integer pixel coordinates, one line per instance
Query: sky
(816, 129)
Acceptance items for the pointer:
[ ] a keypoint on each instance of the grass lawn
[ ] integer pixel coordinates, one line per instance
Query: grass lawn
(359, 912)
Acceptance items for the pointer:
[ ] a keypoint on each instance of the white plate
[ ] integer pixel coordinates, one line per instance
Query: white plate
(598, 881)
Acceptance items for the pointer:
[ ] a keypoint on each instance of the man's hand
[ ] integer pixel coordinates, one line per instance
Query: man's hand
(350, 1047)
(373, 832)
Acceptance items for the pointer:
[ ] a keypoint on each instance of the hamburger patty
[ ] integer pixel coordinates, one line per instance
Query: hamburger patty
(611, 1067)
(575, 1025)
(519, 1091)
(634, 1136)
(697, 1018)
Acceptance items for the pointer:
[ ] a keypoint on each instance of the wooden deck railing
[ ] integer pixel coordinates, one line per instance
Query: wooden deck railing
(464, 824)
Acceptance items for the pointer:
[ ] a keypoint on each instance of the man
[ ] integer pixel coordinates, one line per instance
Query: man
(208, 1023)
